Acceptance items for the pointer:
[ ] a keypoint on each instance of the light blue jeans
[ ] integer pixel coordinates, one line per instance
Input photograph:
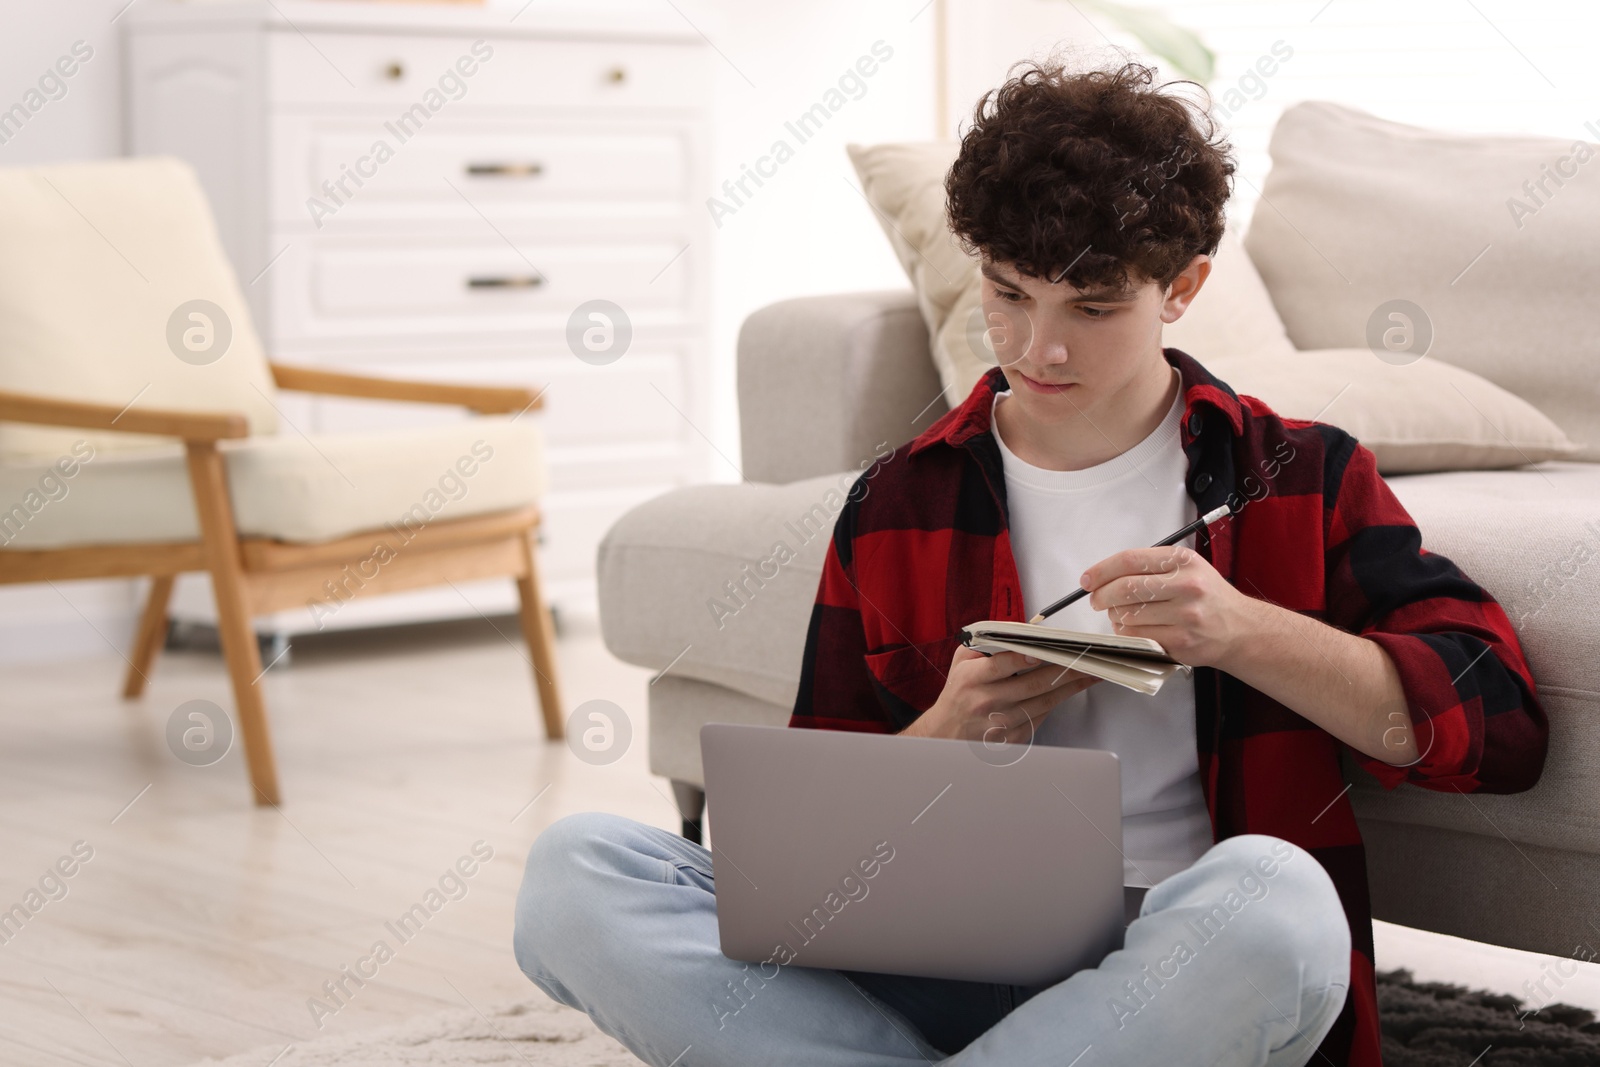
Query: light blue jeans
(1242, 959)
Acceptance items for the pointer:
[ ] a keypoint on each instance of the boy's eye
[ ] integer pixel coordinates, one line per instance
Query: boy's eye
(1008, 296)
(1096, 313)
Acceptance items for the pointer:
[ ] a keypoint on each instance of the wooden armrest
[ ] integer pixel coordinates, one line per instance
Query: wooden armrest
(189, 425)
(484, 399)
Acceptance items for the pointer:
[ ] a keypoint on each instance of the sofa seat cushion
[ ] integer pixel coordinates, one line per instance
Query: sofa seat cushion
(285, 487)
(716, 582)
(1532, 539)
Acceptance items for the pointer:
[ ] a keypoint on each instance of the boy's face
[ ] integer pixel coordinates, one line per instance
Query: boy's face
(1064, 350)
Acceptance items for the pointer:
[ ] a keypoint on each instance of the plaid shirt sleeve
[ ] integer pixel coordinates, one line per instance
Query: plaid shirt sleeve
(836, 689)
(1469, 694)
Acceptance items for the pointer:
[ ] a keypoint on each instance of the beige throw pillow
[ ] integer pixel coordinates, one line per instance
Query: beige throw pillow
(1425, 415)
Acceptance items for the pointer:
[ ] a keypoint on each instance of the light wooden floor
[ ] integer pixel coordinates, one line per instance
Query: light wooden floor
(202, 925)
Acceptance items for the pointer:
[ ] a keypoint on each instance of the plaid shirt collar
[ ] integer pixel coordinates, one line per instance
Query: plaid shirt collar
(1200, 389)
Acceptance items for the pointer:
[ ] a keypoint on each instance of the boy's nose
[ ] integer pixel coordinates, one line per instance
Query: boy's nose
(1049, 351)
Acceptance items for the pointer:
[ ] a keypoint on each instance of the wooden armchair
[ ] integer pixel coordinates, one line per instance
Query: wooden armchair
(125, 516)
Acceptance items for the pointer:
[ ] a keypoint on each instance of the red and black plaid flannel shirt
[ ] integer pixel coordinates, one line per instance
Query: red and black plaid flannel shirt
(921, 549)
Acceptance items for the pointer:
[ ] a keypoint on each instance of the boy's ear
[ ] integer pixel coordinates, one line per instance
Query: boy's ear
(1184, 288)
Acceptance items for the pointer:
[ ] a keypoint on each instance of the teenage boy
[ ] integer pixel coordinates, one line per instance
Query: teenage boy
(1312, 617)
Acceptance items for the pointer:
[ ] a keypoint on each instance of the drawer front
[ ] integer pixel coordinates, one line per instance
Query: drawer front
(350, 168)
(444, 73)
(325, 288)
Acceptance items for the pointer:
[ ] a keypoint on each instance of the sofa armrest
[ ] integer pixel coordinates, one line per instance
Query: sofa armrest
(694, 582)
(824, 380)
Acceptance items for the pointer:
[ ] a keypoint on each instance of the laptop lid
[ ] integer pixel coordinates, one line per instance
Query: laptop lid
(915, 856)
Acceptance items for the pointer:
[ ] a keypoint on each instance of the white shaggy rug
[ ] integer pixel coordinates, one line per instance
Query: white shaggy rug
(532, 1033)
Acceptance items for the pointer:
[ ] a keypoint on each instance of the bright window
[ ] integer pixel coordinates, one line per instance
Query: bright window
(1484, 66)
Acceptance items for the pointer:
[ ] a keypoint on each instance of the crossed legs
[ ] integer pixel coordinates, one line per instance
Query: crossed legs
(1243, 959)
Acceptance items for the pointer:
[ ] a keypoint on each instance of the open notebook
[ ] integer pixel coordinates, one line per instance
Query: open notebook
(1137, 663)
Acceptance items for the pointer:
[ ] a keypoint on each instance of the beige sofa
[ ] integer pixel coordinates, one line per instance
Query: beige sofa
(825, 383)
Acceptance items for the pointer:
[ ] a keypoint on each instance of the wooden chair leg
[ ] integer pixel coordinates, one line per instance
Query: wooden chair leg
(152, 635)
(539, 631)
(208, 476)
(243, 656)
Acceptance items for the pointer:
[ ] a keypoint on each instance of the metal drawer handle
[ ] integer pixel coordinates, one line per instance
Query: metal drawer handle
(505, 170)
(527, 281)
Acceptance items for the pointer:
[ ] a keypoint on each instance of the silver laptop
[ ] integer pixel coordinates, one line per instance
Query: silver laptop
(914, 856)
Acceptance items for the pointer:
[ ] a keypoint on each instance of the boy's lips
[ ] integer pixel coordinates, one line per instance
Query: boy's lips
(1045, 387)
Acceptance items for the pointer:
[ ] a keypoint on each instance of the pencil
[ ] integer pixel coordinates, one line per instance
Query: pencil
(1205, 520)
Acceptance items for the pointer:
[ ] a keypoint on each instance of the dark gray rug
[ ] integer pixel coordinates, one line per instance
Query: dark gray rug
(1430, 1024)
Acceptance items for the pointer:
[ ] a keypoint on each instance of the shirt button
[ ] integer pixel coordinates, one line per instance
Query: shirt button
(1202, 482)
(1194, 422)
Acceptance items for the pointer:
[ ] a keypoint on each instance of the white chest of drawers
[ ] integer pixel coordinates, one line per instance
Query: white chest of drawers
(432, 191)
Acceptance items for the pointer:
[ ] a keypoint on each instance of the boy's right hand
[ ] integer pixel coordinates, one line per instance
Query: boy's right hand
(985, 699)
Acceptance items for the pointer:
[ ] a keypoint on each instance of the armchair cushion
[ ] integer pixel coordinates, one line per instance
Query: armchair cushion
(98, 263)
(285, 487)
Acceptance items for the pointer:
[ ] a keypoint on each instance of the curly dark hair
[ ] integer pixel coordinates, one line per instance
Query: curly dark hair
(1089, 176)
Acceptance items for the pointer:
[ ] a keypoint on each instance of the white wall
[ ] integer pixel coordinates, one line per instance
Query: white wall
(85, 122)
(807, 229)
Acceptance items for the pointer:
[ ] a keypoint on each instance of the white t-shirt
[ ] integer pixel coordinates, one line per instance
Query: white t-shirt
(1062, 522)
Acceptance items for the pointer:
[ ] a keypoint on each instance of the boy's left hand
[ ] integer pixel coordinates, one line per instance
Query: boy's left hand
(1173, 596)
